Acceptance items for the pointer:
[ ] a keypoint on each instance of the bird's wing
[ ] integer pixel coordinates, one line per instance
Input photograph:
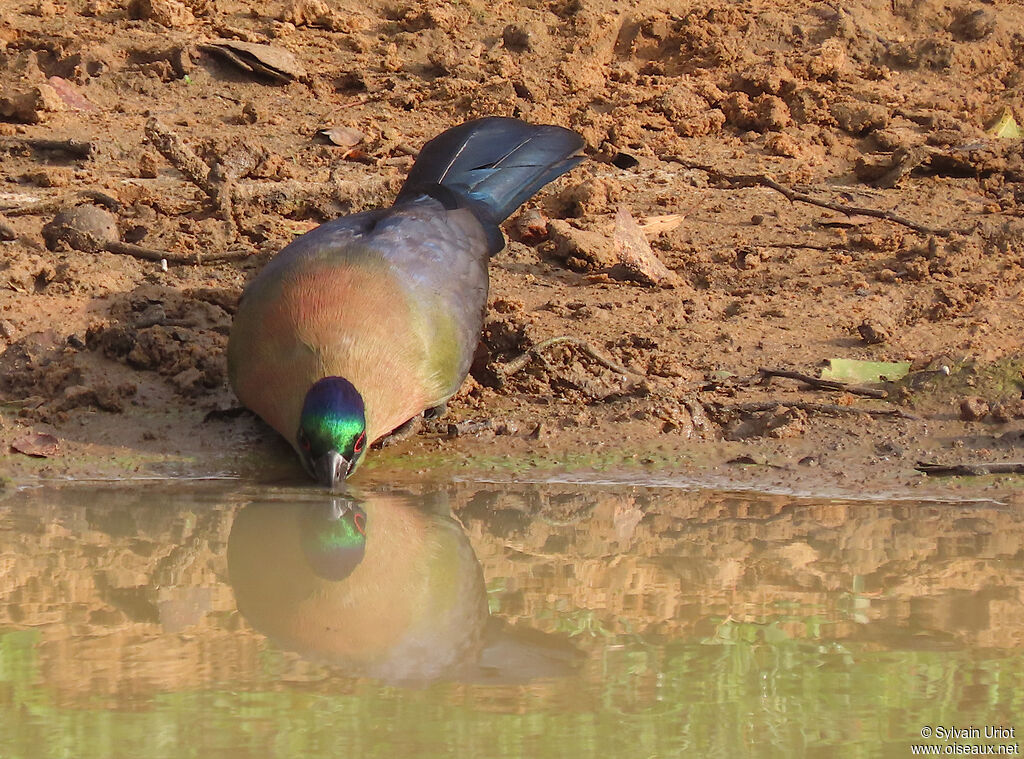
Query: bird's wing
(440, 258)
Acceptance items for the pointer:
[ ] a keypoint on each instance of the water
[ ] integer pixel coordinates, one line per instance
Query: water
(218, 619)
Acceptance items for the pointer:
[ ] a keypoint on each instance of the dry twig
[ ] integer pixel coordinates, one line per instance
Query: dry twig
(198, 259)
(522, 360)
(827, 409)
(763, 180)
(64, 201)
(817, 383)
(969, 470)
(802, 245)
(76, 148)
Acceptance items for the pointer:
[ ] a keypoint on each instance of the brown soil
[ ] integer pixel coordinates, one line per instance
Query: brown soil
(700, 120)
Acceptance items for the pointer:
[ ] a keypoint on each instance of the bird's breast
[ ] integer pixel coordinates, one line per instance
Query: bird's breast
(324, 319)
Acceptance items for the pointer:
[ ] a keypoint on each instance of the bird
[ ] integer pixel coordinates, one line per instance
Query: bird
(366, 322)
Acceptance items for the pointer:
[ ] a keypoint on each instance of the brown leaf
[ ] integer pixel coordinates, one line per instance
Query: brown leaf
(655, 225)
(344, 137)
(71, 97)
(39, 444)
(635, 255)
(268, 60)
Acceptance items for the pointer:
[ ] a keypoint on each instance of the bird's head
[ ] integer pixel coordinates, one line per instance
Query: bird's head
(332, 430)
(334, 539)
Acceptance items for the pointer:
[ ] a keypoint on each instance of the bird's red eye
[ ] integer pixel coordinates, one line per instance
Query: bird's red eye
(360, 522)
(360, 441)
(304, 442)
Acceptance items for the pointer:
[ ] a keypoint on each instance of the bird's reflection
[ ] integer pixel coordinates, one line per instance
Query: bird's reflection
(383, 587)
(334, 538)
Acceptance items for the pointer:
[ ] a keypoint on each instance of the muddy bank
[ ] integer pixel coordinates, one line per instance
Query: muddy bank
(768, 189)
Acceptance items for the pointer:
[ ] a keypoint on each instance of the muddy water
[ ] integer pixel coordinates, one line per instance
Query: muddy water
(483, 620)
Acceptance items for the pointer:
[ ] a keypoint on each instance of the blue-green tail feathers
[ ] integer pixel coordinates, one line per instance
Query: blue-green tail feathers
(492, 165)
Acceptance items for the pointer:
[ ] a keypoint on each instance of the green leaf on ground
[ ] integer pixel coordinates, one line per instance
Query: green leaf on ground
(1006, 126)
(851, 370)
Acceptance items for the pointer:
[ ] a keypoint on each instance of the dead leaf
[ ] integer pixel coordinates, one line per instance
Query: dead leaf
(39, 444)
(852, 370)
(843, 221)
(267, 60)
(71, 97)
(635, 255)
(343, 137)
(1005, 126)
(656, 225)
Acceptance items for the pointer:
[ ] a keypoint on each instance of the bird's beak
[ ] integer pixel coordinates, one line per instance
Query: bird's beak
(331, 468)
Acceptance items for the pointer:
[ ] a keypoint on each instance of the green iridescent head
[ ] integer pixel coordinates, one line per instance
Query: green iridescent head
(334, 539)
(332, 430)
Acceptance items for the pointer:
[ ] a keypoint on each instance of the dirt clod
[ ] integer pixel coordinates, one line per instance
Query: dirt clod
(859, 118)
(582, 250)
(87, 228)
(973, 409)
(974, 24)
(170, 13)
(30, 106)
(876, 330)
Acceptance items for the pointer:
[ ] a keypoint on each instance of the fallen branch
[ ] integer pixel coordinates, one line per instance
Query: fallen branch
(821, 384)
(198, 259)
(827, 409)
(62, 202)
(283, 197)
(76, 148)
(212, 181)
(183, 158)
(968, 470)
(522, 360)
(762, 180)
(287, 197)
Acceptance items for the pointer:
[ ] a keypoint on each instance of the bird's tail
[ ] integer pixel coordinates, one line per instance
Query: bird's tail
(492, 165)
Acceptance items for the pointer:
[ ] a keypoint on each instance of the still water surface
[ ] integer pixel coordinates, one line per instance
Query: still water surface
(486, 620)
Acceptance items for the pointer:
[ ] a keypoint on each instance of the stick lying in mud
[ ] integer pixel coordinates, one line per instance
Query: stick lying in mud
(828, 409)
(523, 359)
(968, 470)
(763, 180)
(198, 259)
(764, 375)
(284, 197)
(76, 148)
(91, 229)
(64, 201)
(210, 180)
